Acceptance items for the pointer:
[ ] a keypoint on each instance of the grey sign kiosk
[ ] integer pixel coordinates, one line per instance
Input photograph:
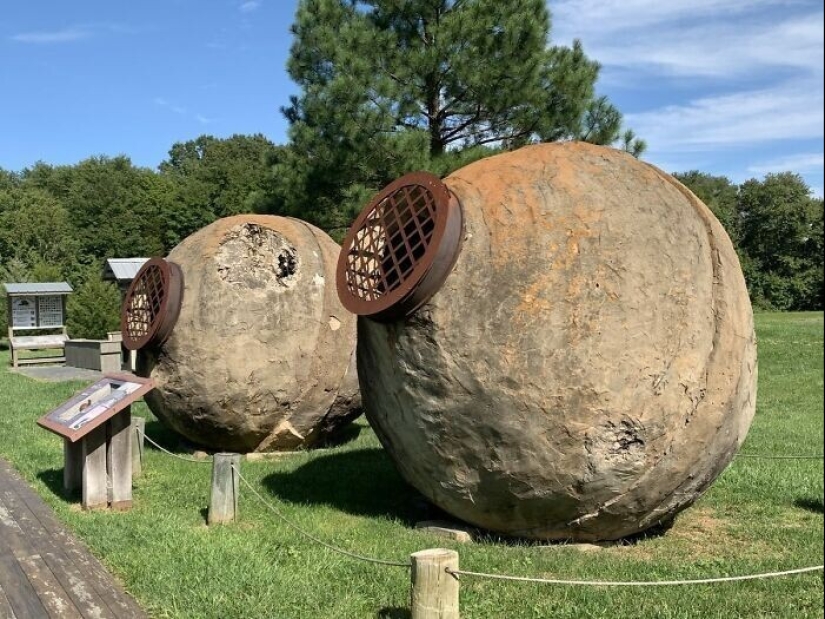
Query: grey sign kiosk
(37, 320)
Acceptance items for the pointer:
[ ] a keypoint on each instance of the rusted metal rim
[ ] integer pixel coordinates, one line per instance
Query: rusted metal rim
(152, 304)
(400, 249)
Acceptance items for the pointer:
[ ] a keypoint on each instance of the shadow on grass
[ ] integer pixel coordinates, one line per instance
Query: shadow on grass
(170, 440)
(362, 482)
(345, 435)
(53, 480)
(167, 438)
(394, 612)
(812, 505)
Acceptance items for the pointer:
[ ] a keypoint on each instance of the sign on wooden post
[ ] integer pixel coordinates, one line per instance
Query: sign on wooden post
(96, 427)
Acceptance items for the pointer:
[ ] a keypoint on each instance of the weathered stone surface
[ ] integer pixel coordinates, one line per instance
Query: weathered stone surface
(589, 366)
(261, 356)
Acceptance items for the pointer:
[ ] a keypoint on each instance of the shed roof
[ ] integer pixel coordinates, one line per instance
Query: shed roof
(122, 269)
(40, 288)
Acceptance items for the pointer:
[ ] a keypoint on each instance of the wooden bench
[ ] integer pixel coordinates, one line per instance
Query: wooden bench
(37, 342)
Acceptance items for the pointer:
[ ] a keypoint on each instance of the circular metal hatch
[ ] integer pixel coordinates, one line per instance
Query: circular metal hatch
(152, 304)
(400, 249)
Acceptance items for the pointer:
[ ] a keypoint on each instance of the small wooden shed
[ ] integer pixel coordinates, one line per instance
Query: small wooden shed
(37, 310)
(122, 271)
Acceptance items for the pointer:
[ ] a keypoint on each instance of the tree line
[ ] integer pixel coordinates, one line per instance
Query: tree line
(385, 88)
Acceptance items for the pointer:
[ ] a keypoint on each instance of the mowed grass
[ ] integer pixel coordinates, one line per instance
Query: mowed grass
(761, 515)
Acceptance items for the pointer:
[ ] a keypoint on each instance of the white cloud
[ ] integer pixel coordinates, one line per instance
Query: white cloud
(204, 120)
(582, 16)
(177, 109)
(709, 38)
(732, 87)
(66, 35)
(249, 6)
(792, 110)
(799, 163)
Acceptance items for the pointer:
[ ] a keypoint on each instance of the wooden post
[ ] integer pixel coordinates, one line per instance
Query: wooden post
(72, 465)
(138, 432)
(434, 591)
(223, 500)
(119, 459)
(93, 452)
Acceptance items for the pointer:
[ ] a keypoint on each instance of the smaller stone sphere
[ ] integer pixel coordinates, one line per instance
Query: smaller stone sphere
(262, 355)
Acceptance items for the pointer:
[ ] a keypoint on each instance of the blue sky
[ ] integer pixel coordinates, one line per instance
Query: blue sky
(731, 87)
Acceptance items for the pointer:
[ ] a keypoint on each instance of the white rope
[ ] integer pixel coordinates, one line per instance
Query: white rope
(812, 342)
(174, 455)
(769, 457)
(346, 553)
(636, 583)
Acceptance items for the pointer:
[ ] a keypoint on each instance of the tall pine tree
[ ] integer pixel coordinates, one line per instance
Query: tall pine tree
(388, 86)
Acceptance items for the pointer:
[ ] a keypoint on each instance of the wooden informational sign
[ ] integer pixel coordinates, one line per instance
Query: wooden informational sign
(95, 405)
(96, 429)
(50, 311)
(23, 312)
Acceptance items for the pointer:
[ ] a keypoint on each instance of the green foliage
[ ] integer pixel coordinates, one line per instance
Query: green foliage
(782, 234)
(94, 308)
(113, 208)
(389, 87)
(210, 178)
(35, 228)
(776, 227)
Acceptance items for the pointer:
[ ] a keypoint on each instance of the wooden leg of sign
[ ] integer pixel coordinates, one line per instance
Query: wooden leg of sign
(119, 459)
(223, 500)
(72, 465)
(93, 452)
(138, 431)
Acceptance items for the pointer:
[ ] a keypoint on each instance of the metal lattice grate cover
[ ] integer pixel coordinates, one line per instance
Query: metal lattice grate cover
(400, 249)
(152, 304)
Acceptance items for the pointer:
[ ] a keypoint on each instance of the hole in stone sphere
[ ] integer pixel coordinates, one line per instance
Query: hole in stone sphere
(287, 264)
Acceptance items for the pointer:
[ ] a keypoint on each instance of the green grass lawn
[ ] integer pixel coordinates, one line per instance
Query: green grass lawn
(760, 516)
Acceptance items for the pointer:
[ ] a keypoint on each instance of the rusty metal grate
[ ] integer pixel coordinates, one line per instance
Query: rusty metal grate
(152, 304)
(400, 249)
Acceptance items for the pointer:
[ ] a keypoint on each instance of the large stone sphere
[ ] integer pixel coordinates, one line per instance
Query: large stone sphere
(588, 367)
(262, 355)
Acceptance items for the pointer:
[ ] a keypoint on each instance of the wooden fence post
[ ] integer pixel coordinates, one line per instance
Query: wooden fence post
(434, 591)
(138, 431)
(223, 500)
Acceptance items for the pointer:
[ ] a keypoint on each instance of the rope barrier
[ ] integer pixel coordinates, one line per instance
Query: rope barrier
(812, 342)
(295, 527)
(635, 583)
(174, 455)
(769, 457)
